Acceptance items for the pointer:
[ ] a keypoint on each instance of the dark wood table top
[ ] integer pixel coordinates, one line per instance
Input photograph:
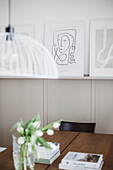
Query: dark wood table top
(64, 138)
(90, 143)
(71, 141)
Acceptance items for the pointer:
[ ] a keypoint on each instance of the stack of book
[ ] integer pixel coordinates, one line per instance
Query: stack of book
(81, 161)
(48, 156)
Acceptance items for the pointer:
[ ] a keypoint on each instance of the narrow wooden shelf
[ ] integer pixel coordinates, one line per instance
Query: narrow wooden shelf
(85, 77)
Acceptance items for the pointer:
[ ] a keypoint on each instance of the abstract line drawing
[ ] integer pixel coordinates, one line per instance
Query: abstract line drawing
(101, 48)
(65, 41)
(109, 56)
(64, 46)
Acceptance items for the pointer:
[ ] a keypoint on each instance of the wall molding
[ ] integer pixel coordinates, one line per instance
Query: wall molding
(93, 101)
(45, 102)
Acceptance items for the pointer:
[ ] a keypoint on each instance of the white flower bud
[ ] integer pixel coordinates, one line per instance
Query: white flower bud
(50, 132)
(39, 133)
(36, 124)
(21, 140)
(20, 129)
(56, 125)
(18, 124)
(53, 146)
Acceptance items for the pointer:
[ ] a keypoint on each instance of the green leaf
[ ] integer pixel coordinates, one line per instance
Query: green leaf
(15, 126)
(33, 130)
(50, 126)
(47, 127)
(43, 142)
(28, 124)
(36, 118)
(22, 150)
(34, 149)
(59, 121)
(22, 123)
(28, 139)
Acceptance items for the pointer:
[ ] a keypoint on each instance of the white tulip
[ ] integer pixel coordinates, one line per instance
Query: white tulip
(50, 132)
(53, 146)
(18, 124)
(56, 125)
(20, 129)
(36, 124)
(39, 133)
(21, 140)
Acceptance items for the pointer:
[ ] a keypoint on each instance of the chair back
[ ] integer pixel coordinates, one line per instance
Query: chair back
(77, 127)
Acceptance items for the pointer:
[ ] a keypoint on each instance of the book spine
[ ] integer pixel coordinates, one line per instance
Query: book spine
(80, 164)
(48, 155)
(75, 168)
(63, 166)
(48, 161)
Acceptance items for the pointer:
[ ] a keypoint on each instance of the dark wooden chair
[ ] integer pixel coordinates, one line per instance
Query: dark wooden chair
(77, 127)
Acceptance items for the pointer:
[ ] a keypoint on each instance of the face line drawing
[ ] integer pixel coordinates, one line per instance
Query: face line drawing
(64, 45)
(63, 42)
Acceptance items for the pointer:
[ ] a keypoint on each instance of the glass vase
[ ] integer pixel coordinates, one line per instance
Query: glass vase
(22, 155)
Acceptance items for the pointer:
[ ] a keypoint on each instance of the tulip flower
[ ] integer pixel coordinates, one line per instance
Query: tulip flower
(50, 132)
(56, 125)
(36, 124)
(20, 129)
(21, 140)
(39, 133)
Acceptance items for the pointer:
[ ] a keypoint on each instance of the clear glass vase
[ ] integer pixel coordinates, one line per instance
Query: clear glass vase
(22, 155)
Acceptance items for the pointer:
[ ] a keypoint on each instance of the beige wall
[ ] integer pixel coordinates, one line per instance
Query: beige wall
(19, 99)
(78, 99)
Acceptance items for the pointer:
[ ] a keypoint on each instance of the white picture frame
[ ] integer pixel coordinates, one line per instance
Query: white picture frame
(69, 57)
(101, 48)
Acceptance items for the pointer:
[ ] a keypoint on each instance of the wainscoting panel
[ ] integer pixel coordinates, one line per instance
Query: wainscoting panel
(69, 100)
(104, 106)
(74, 100)
(19, 99)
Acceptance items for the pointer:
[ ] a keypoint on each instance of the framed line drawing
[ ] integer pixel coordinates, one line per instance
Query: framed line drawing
(101, 48)
(65, 41)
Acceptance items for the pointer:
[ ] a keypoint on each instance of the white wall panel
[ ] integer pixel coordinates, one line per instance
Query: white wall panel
(19, 99)
(69, 100)
(104, 106)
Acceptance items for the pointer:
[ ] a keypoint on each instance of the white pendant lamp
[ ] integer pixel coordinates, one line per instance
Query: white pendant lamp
(22, 56)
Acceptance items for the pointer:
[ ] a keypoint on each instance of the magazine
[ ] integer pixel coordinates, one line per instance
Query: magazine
(86, 160)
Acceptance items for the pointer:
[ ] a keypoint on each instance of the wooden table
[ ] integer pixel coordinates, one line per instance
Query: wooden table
(70, 141)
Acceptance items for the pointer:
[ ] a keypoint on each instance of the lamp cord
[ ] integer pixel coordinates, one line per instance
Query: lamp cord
(9, 29)
(9, 12)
